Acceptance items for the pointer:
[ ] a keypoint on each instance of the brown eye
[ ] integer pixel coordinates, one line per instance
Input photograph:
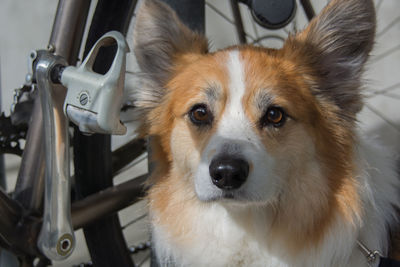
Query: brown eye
(274, 116)
(200, 115)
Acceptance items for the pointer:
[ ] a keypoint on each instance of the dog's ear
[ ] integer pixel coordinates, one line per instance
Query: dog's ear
(160, 38)
(338, 42)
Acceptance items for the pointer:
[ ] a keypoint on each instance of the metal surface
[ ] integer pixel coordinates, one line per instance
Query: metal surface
(22, 106)
(94, 101)
(10, 215)
(308, 9)
(10, 136)
(66, 35)
(127, 154)
(68, 27)
(238, 21)
(30, 178)
(107, 202)
(29, 192)
(18, 233)
(371, 255)
(3, 183)
(56, 239)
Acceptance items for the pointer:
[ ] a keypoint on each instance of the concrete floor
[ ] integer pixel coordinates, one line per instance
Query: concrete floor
(25, 25)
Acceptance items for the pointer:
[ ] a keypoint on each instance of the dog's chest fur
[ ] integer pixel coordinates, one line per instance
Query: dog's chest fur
(217, 240)
(219, 235)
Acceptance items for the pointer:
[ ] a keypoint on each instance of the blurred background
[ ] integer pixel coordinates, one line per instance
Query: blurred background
(26, 25)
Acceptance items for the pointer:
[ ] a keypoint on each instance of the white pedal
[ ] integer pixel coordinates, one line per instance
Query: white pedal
(93, 101)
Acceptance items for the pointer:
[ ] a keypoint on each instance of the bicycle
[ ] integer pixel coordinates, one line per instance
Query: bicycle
(88, 150)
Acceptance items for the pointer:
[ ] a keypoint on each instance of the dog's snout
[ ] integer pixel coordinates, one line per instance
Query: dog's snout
(228, 173)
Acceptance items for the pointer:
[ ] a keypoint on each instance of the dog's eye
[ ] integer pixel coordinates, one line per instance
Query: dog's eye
(274, 116)
(200, 115)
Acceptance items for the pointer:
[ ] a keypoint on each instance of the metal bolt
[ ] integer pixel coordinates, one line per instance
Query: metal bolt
(28, 78)
(84, 99)
(65, 244)
(33, 54)
(51, 48)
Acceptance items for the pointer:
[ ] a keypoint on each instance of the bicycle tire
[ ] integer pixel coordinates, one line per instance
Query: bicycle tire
(92, 154)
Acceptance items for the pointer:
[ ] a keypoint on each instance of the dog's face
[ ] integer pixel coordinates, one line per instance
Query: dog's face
(251, 125)
(238, 128)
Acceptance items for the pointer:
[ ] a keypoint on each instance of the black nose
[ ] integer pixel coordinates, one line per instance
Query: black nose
(228, 173)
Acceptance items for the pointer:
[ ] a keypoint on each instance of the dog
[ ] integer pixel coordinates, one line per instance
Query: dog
(258, 157)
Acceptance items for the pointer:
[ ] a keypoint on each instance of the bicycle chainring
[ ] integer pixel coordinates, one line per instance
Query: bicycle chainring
(11, 136)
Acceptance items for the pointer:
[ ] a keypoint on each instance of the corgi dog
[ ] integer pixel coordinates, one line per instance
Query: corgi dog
(258, 157)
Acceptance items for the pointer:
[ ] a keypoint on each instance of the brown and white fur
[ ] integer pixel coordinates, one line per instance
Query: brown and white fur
(314, 186)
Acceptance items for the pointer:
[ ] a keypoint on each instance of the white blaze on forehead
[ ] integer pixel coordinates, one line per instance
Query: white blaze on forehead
(234, 123)
(236, 80)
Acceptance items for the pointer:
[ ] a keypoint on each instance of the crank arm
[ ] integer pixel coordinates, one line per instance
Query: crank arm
(56, 238)
(92, 102)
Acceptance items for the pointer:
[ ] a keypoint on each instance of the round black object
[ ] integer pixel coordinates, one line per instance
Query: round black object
(228, 173)
(273, 14)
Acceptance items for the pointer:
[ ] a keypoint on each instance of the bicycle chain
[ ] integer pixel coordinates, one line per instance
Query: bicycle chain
(141, 247)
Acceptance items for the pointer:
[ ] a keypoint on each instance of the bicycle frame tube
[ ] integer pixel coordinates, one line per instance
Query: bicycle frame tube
(3, 183)
(237, 17)
(19, 232)
(68, 27)
(106, 202)
(30, 185)
(308, 9)
(17, 236)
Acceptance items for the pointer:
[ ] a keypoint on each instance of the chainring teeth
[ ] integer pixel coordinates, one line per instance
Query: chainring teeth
(11, 136)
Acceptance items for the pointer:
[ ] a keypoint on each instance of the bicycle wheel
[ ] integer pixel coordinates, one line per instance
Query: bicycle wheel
(92, 154)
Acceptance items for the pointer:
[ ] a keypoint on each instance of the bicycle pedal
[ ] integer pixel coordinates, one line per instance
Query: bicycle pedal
(93, 100)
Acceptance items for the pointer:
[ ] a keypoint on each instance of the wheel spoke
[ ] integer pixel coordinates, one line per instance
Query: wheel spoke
(134, 221)
(126, 154)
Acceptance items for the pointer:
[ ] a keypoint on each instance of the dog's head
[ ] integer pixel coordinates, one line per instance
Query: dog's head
(249, 124)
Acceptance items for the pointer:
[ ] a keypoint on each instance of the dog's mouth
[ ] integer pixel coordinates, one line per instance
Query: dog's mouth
(227, 196)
